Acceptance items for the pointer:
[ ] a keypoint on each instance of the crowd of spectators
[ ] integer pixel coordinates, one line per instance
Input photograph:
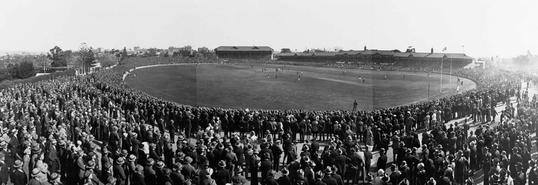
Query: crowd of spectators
(92, 129)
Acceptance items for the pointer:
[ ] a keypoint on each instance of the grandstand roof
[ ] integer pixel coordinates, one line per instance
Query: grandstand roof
(419, 54)
(310, 54)
(244, 48)
(449, 55)
(402, 54)
(458, 56)
(383, 52)
(436, 55)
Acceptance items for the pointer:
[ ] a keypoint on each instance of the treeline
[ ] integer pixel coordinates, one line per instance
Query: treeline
(18, 71)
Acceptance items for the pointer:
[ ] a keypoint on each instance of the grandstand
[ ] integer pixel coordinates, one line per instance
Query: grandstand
(395, 58)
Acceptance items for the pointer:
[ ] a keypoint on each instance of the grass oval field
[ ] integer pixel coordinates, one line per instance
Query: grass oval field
(265, 87)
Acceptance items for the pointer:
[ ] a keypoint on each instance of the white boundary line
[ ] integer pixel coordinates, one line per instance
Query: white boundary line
(156, 65)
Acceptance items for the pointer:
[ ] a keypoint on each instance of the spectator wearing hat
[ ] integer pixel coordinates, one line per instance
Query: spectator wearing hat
(43, 167)
(55, 179)
(130, 166)
(367, 159)
(4, 173)
(119, 171)
(89, 175)
(285, 178)
(341, 160)
(277, 151)
(336, 175)
(421, 175)
(35, 154)
(138, 176)
(98, 156)
(26, 162)
(382, 160)
(266, 166)
(160, 172)
(395, 174)
(222, 175)
(318, 178)
(187, 169)
(135, 143)
(309, 173)
(328, 178)
(405, 170)
(378, 179)
(34, 180)
(106, 171)
(167, 180)
(239, 177)
(206, 179)
(271, 178)
(168, 152)
(17, 176)
(252, 161)
(150, 176)
(51, 157)
(177, 177)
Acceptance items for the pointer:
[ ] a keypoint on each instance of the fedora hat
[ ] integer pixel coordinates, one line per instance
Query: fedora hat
(90, 165)
(120, 160)
(54, 176)
(222, 164)
(160, 164)
(139, 168)
(150, 162)
(17, 164)
(132, 158)
(35, 172)
(188, 160)
(35, 148)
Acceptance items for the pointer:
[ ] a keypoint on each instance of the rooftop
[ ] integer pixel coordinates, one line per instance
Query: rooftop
(243, 48)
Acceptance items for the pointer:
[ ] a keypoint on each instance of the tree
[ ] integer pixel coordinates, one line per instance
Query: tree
(25, 70)
(87, 57)
(57, 56)
(22, 70)
(151, 52)
(124, 54)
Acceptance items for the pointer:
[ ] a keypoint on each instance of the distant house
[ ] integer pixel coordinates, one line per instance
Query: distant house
(244, 52)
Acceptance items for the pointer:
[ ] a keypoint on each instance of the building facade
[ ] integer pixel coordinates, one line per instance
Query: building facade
(244, 52)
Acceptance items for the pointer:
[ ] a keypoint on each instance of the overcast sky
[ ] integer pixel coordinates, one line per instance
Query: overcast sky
(484, 27)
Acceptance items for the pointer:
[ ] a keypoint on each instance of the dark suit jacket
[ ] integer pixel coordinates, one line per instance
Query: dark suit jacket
(18, 177)
(150, 176)
(138, 179)
(119, 174)
(222, 176)
(284, 180)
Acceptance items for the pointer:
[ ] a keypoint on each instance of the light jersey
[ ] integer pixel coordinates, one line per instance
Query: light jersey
(145, 147)
(361, 155)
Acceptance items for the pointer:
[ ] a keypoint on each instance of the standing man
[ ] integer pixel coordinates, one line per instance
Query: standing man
(355, 104)
(17, 176)
(277, 152)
